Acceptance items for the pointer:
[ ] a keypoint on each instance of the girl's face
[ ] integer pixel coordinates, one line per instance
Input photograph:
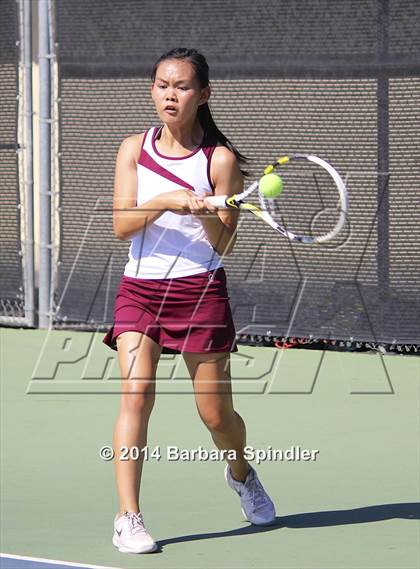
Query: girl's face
(176, 92)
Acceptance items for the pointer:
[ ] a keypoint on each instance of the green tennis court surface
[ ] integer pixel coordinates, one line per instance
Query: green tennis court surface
(355, 506)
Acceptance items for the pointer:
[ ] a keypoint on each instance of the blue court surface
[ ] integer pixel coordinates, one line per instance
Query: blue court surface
(18, 562)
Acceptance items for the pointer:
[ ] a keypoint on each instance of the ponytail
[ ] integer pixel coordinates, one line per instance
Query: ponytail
(198, 61)
(209, 126)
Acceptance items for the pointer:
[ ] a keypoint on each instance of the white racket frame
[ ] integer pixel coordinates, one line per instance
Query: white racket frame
(239, 200)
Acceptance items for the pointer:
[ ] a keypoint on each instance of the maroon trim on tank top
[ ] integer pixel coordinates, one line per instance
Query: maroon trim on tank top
(209, 146)
(209, 153)
(141, 147)
(147, 161)
(154, 135)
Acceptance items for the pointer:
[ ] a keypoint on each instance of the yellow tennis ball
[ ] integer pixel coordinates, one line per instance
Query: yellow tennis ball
(270, 185)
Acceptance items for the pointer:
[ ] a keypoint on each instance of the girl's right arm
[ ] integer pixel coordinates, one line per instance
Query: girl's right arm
(128, 218)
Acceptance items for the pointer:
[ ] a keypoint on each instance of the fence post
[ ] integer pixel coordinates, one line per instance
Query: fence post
(45, 165)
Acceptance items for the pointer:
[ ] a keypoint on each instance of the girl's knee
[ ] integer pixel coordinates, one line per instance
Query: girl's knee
(218, 419)
(137, 402)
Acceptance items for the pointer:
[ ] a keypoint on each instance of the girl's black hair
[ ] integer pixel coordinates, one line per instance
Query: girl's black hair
(201, 68)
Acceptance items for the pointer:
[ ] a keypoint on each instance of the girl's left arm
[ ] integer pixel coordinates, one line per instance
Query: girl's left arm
(227, 179)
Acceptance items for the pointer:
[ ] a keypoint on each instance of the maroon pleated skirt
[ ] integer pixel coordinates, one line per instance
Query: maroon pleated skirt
(183, 314)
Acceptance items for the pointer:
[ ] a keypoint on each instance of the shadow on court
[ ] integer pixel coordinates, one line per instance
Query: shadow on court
(410, 510)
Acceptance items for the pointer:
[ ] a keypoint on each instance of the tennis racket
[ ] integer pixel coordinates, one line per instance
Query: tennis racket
(324, 180)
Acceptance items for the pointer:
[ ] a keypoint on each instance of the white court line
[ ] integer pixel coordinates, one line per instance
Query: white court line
(54, 561)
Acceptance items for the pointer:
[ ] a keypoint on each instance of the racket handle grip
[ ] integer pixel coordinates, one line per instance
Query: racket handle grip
(218, 201)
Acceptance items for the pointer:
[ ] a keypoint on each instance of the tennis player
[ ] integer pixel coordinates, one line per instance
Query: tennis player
(173, 295)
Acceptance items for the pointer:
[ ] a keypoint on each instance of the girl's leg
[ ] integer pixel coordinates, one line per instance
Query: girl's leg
(138, 356)
(213, 394)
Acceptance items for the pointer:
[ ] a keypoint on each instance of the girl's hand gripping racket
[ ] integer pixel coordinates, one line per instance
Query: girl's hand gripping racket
(268, 214)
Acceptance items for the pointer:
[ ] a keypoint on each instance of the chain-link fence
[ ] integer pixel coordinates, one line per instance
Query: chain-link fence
(337, 79)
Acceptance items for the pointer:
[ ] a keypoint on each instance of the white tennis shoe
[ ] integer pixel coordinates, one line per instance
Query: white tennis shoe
(130, 535)
(257, 506)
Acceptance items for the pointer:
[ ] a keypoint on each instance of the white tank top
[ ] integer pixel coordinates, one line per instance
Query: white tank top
(173, 245)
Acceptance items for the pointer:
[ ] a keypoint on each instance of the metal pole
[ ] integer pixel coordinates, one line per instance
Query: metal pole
(28, 272)
(44, 166)
(55, 225)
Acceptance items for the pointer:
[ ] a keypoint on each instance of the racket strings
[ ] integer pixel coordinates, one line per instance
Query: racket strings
(311, 203)
(313, 206)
